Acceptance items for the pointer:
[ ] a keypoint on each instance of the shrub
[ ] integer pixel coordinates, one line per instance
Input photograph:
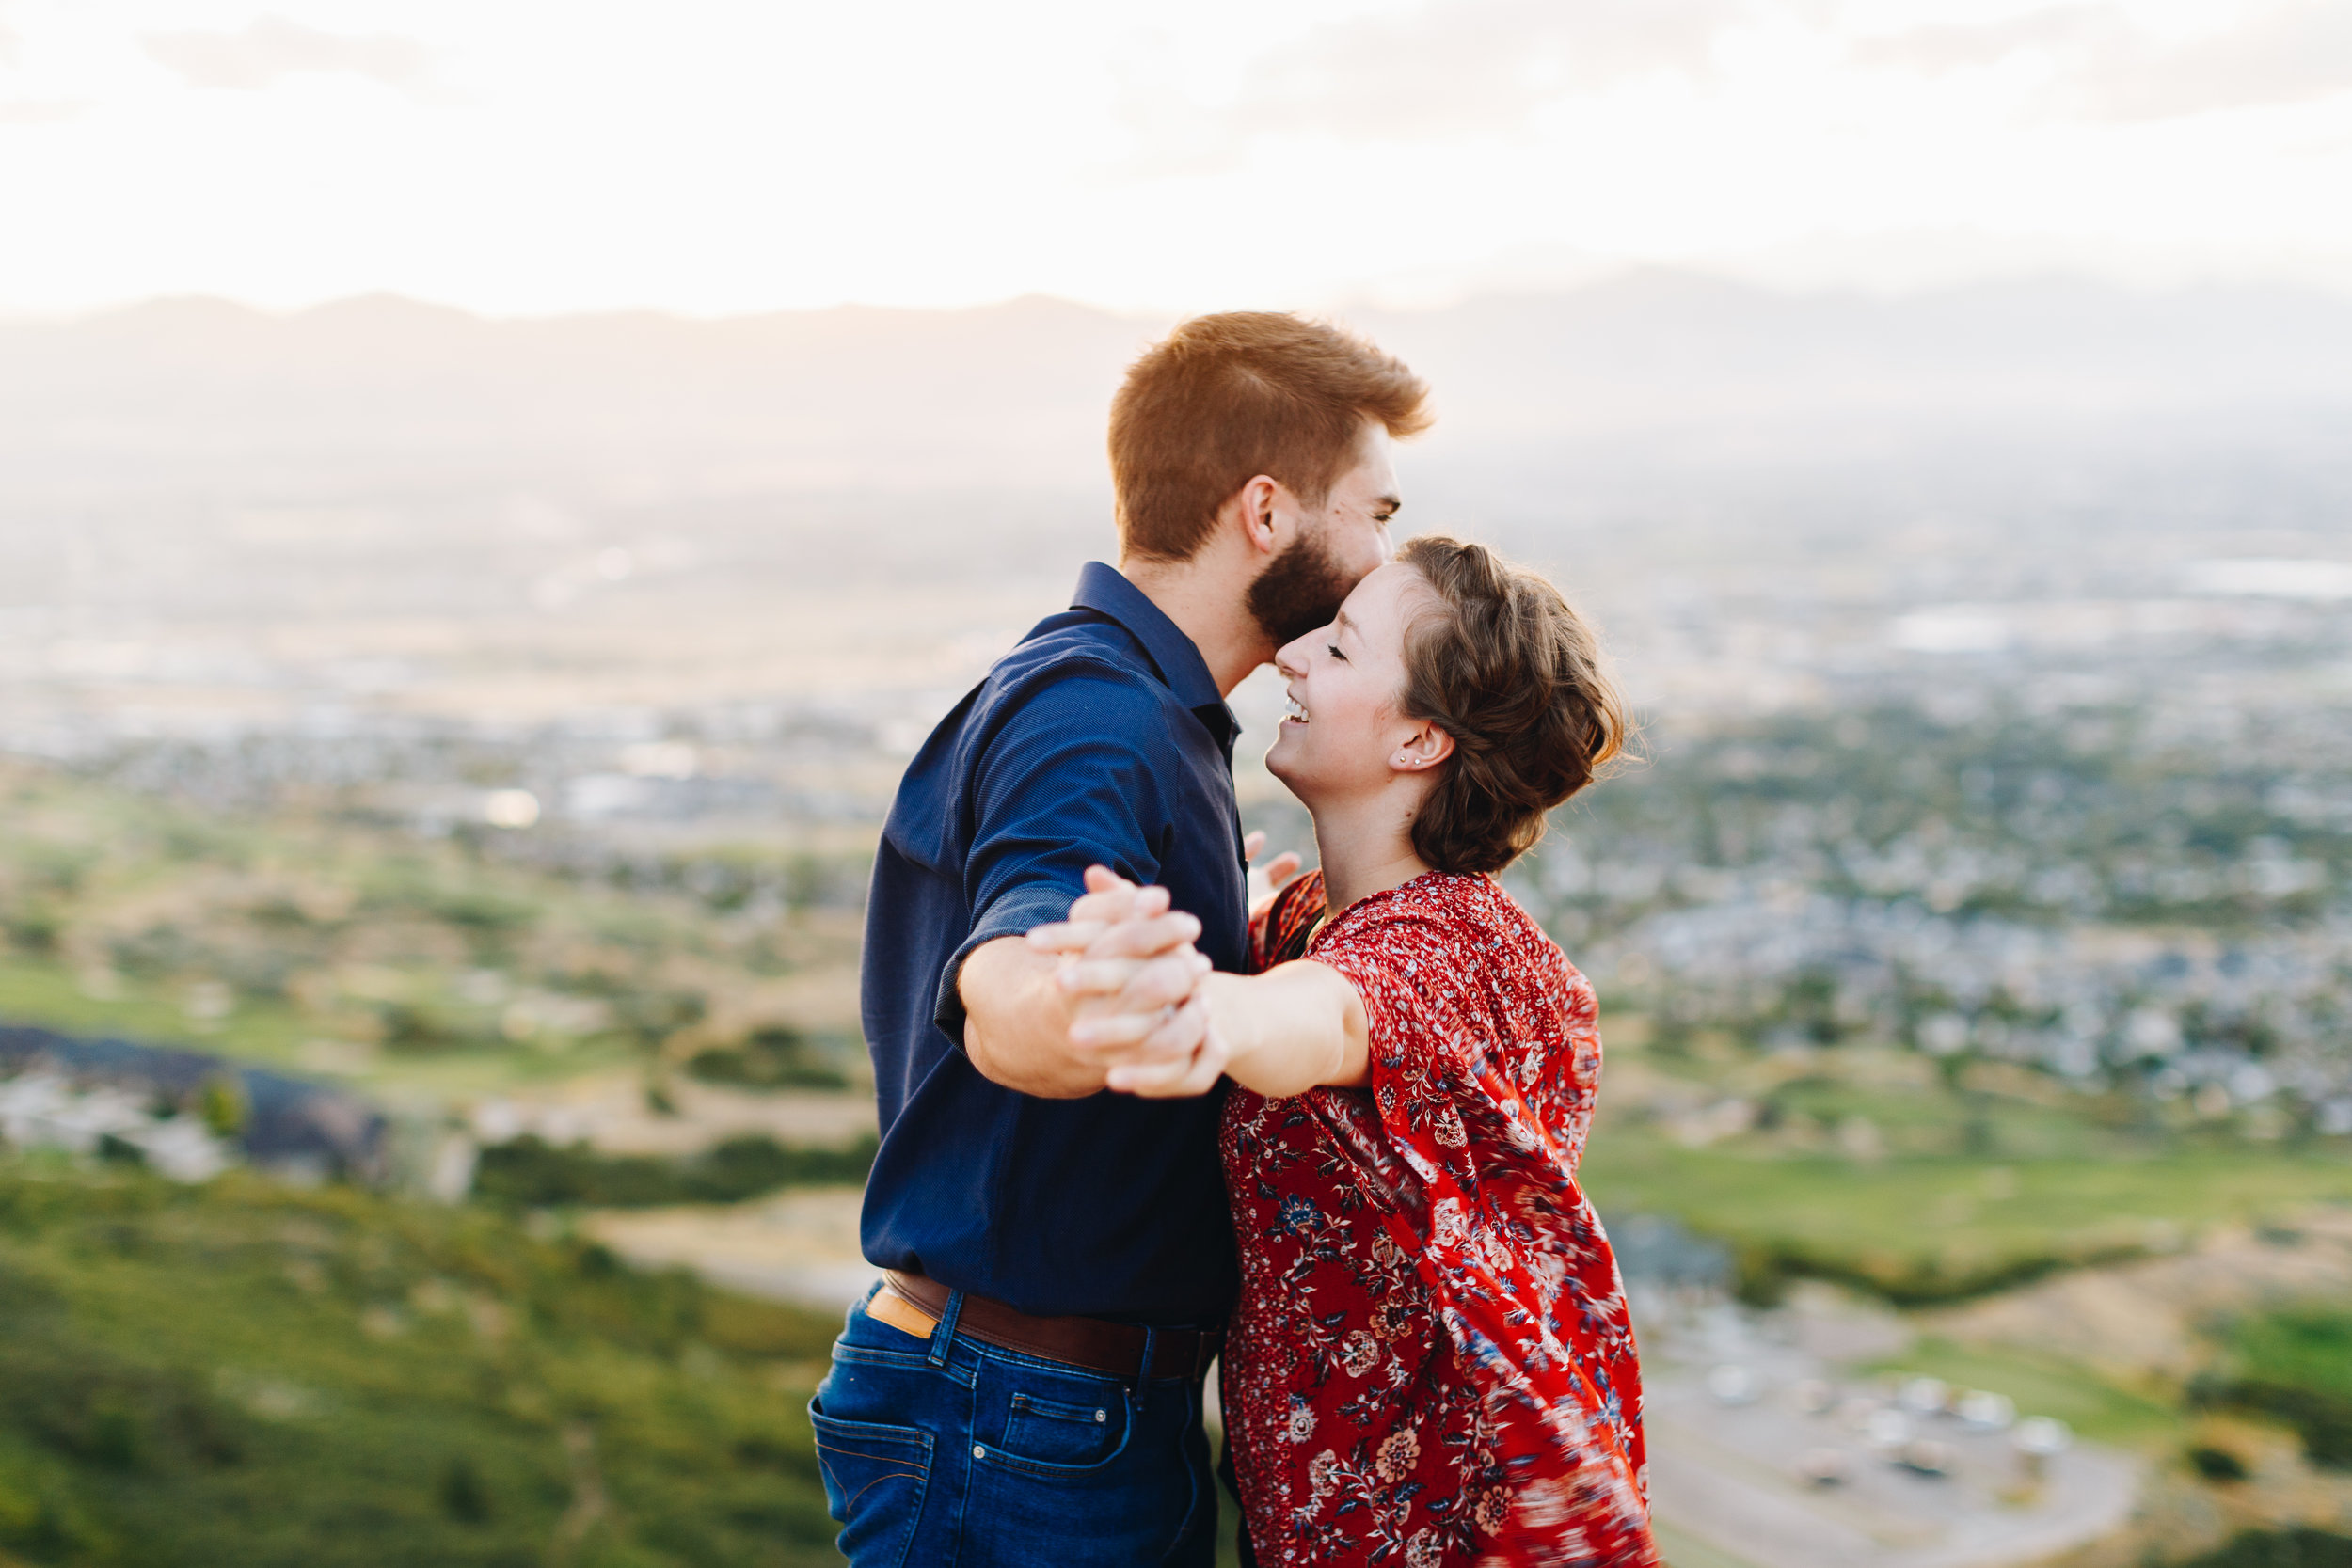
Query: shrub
(771, 1058)
(2217, 1463)
(2288, 1548)
(530, 1173)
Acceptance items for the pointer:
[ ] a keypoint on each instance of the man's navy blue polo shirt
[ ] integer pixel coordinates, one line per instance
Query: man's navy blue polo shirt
(1100, 739)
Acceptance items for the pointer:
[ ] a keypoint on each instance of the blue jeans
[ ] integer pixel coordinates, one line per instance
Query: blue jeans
(950, 1453)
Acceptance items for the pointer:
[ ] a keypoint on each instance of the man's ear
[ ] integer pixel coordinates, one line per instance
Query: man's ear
(1253, 506)
(1424, 749)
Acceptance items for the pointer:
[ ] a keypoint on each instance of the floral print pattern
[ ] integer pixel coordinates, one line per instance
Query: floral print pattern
(1431, 1365)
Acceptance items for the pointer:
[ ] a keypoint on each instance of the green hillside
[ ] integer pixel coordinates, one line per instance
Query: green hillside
(322, 939)
(252, 1374)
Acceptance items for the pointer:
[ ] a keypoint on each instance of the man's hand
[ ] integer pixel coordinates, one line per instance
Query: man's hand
(1125, 952)
(1164, 1024)
(1139, 1011)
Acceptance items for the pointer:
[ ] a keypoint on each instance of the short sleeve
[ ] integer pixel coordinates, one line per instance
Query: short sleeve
(1389, 960)
(1065, 782)
(1401, 965)
(1438, 1082)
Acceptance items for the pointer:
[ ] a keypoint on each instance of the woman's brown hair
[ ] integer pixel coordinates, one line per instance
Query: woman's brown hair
(1504, 666)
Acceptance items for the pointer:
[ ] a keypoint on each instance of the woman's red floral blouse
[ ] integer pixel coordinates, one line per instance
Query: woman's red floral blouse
(1431, 1365)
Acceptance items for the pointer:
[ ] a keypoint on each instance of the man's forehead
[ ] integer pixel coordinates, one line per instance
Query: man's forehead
(1375, 472)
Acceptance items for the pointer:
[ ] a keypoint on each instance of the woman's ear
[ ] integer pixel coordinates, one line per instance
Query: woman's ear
(1426, 747)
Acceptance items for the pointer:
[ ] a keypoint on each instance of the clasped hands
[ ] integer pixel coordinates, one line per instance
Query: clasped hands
(1129, 963)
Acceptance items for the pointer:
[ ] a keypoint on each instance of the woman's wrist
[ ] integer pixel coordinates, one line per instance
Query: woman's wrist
(1288, 1030)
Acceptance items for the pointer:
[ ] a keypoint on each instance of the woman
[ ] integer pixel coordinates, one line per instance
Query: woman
(1430, 1364)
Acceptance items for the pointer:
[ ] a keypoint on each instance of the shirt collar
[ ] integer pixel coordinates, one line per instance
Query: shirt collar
(1102, 590)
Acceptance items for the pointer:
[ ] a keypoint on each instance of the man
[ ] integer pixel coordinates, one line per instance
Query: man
(1025, 1387)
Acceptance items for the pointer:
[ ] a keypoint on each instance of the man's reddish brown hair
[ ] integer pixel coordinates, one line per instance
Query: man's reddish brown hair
(1226, 398)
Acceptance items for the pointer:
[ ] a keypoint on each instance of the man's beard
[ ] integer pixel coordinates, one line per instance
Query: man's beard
(1300, 589)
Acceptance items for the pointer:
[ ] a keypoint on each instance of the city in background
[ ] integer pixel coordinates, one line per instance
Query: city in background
(491, 496)
(457, 745)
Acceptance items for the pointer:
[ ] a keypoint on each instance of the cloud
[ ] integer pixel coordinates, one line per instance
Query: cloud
(2106, 67)
(1453, 68)
(30, 111)
(274, 48)
(2071, 30)
(1456, 69)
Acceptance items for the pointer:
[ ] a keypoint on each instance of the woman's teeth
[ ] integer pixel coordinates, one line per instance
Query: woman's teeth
(1292, 712)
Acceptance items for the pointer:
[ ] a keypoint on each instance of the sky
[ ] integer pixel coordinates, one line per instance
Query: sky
(532, 157)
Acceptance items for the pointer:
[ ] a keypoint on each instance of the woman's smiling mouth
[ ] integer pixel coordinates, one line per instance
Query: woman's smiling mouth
(1294, 711)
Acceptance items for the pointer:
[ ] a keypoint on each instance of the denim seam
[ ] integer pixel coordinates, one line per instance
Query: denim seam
(898, 1362)
(1192, 1478)
(1053, 1410)
(915, 1436)
(880, 1458)
(1046, 1470)
(1030, 1419)
(874, 1356)
(964, 1488)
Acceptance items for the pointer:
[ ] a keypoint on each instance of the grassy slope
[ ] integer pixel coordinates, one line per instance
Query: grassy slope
(2310, 1349)
(250, 1375)
(1928, 1227)
(462, 963)
(2296, 1364)
(35, 992)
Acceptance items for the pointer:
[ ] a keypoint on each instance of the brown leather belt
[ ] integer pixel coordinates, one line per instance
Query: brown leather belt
(912, 1304)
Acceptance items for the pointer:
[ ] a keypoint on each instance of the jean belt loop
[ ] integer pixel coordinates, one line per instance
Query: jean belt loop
(1143, 1371)
(944, 1337)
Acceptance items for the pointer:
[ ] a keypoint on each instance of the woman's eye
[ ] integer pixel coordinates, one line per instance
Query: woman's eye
(1333, 649)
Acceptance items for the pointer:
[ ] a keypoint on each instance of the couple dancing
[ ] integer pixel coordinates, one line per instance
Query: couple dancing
(1131, 1125)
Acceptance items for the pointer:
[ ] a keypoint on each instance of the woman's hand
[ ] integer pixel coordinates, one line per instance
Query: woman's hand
(1129, 960)
(1164, 1024)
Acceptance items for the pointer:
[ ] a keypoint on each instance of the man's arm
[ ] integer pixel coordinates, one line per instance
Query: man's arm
(1014, 1016)
(1069, 780)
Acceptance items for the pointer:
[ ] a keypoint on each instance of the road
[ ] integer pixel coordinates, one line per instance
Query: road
(1727, 1475)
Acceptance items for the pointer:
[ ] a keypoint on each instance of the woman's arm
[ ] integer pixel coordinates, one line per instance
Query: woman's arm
(1298, 1025)
(1282, 1033)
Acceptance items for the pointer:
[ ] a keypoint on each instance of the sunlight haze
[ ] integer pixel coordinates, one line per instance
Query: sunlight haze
(711, 158)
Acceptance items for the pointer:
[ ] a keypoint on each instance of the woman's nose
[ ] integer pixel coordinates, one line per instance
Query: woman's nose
(1288, 662)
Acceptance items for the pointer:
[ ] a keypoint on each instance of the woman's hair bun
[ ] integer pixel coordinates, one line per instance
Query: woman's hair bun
(1502, 664)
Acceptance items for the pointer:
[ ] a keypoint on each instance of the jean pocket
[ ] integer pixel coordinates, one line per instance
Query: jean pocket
(1052, 1431)
(875, 1478)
